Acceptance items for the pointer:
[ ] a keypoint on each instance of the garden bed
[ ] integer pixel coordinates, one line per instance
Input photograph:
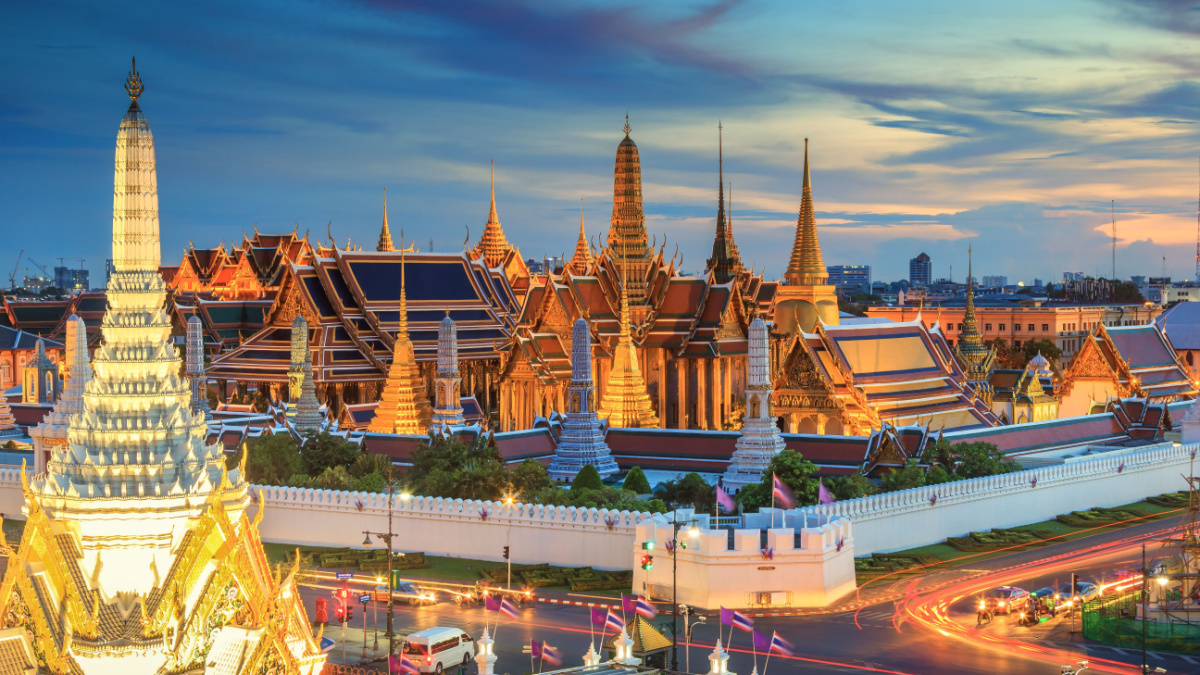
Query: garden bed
(977, 542)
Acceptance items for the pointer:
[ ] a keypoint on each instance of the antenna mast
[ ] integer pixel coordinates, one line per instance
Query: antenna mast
(1112, 211)
(1197, 277)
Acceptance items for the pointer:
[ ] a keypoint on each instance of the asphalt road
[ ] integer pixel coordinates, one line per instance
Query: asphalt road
(928, 633)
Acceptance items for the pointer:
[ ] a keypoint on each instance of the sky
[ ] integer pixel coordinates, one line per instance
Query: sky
(1021, 129)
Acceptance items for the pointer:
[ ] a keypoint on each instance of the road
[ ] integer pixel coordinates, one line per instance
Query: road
(924, 633)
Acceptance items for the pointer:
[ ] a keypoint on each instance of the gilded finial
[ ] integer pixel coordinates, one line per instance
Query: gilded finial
(626, 125)
(133, 84)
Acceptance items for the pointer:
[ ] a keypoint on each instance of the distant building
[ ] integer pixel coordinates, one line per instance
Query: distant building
(108, 270)
(995, 281)
(36, 282)
(71, 279)
(850, 279)
(1037, 282)
(1072, 276)
(920, 270)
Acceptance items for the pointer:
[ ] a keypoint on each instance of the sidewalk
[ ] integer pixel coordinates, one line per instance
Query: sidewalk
(356, 650)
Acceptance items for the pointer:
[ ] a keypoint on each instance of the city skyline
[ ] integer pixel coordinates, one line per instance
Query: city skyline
(1008, 135)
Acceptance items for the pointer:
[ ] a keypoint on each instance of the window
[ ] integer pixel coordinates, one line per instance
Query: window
(1017, 327)
(1045, 328)
(443, 645)
(1189, 361)
(960, 327)
(1030, 328)
(1016, 343)
(1001, 328)
(987, 327)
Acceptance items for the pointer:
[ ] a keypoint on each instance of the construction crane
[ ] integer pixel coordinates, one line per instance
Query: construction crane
(42, 268)
(12, 278)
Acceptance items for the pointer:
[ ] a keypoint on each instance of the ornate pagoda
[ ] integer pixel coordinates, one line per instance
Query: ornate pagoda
(976, 360)
(137, 554)
(805, 297)
(404, 405)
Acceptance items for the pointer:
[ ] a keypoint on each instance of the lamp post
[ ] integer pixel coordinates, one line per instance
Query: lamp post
(688, 625)
(387, 538)
(694, 532)
(1145, 605)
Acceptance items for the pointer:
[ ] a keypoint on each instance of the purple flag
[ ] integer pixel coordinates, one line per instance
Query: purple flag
(726, 617)
(824, 496)
(783, 494)
(599, 614)
(491, 603)
(536, 647)
(725, 500)
(628, 603)
(761, 642)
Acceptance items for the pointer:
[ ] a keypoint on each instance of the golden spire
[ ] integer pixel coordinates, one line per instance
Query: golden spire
(625, 402)
(385, 235)
(806, 267)
(404, 402)
(403, 329)
(582, 260)
(627, 129)
(724, 263)
(493, 245)
(133, 84)
(974, 357)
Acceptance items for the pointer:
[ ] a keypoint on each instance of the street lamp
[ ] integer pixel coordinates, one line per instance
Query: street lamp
(694, 532)
(388, 538)
(687, 633)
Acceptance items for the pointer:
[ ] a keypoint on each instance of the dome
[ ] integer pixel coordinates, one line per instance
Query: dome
(1039, 363)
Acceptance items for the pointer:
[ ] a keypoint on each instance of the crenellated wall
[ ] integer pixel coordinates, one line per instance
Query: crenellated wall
(559, 535)
(900, 520)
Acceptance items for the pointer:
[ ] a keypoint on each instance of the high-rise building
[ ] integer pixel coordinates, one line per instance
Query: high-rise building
(70, 279)
(920, 270)
(850, 279)
(994, 281)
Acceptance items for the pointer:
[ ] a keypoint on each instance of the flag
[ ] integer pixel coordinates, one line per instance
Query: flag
(781, 646)
(508, 609)
(402, 664)
(824, 496)
(537, 648)
(726, 617)
(598, 616)
(491, 603)
(628, 603)
(613, 621)
(783, 494)
(742, 621)
(644, 608)
(725, 500)
(761, 642)
(551, 655)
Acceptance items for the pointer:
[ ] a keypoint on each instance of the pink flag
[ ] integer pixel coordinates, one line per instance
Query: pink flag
(783, 494)
(824, 496)
(725, 500)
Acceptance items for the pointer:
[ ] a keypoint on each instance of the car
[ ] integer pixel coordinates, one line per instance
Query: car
(435, 650)
(1047, 599)
(1004, 599)
(415, 595)
(1084, 591)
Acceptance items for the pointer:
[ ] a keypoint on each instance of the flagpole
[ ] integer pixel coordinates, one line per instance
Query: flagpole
(768, 659)
(773, 479)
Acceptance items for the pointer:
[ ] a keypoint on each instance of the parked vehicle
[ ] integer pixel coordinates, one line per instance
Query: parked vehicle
(1084, 591)
(1005, 599)
(436, 649)
(413, 594)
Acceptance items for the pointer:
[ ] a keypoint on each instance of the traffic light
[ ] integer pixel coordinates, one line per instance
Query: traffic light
(648, 545)
(647, 562)
(506, 553)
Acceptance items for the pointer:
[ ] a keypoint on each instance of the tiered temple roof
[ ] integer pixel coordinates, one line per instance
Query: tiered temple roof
(352, 302)
(902, 374)
(1138, 361)
(495, 251)
(627, 237)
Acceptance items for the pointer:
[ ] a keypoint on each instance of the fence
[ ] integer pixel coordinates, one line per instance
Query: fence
(1113, 622)
(905, 519)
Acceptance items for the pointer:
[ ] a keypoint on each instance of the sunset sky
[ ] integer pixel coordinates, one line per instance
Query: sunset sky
(933, 125)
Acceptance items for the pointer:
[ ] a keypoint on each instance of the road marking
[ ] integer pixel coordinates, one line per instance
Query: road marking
(1188, 659)
(1117, 650)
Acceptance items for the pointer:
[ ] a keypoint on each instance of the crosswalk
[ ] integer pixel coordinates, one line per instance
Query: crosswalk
(1106, 649)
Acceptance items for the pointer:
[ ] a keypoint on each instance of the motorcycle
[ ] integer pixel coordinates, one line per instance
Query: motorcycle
(984, 614)
(1071, 670)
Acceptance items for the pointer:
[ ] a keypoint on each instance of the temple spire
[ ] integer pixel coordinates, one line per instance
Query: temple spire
(133, 85)
(626, 402)
(627, 239)
(973, 356)
(582, 261)
(385, 235)
(724, 263)
(806, 267)
(404, 403)
(493, 246)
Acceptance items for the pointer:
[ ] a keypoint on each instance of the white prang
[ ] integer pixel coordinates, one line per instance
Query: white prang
(760, 440)
(308, 408)
(582, 440)
(52, 431)
(447, 410)
(194, 367)
(136, 468)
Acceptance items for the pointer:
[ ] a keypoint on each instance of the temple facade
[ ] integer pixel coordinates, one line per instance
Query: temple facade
(1122, 362)
(137, 555)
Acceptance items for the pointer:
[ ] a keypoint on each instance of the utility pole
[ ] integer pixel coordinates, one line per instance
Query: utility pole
(1197, 277)
(1112, 210)
(1145, 606)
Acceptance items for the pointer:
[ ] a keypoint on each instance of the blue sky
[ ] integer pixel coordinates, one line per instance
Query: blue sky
(934, 125)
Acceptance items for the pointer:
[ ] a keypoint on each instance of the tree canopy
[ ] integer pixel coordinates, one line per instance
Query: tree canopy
(795, 471)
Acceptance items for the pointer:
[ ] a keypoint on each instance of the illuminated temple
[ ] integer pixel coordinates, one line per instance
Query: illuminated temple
(137, 554)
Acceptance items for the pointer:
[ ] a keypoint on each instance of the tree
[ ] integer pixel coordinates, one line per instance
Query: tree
(1125, 291)
(324, 450)
(906, 478)
(272, 460)
(635, 481)
(850, 487)
(334, 478)
(976, 460)
(448, 467)
(371, 482)
(588, 478)
(795, 471)
(691, 490)
(1006, 356)
(367, 463)
(1047, 348)
(528, 478)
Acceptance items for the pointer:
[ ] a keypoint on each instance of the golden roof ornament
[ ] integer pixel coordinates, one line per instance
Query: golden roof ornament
(627, 129)
(133, 84)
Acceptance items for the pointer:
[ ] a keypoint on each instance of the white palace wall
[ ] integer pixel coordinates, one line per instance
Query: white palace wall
(559, 535)
(909, 518)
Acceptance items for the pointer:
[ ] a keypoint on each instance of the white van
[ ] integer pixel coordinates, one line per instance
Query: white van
(438, 649)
